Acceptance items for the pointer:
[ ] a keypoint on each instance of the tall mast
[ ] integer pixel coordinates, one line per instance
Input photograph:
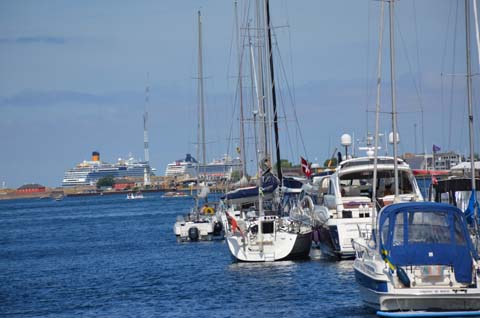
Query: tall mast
(394, 105)
(200, 88)
(146, 176)
(240, 92)
(470, 109)
(145, 120)
(377, 116)
(263, 148)
(274, 98)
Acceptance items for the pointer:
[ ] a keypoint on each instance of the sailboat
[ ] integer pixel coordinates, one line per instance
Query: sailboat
(256, 228)
(201, 224)
(419, 260)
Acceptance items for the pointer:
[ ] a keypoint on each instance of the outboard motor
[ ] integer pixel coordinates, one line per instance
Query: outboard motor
(193, 234)
(217, 228)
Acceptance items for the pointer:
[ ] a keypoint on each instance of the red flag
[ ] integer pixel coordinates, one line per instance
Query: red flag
(306, 167)
(233, 223)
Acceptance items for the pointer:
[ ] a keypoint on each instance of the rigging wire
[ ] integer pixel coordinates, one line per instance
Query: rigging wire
(294, 100)
(420, 86)
(452, 80)
(442, 90)
(291, 96)
(404, 46)
(367, 66)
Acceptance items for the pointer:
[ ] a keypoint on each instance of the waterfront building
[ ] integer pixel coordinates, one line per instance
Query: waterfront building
(437, 161)
(31, 188)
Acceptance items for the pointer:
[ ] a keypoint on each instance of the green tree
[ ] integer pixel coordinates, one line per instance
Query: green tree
(107, 181)
(235, 176)
(333, 162)
(284, 163)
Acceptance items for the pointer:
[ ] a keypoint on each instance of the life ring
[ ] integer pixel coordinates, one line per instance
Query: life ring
(209, 210)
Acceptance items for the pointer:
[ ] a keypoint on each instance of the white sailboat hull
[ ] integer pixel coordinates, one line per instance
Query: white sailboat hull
(273, 247)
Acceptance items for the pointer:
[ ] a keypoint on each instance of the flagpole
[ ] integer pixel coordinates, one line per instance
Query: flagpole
(433, 158)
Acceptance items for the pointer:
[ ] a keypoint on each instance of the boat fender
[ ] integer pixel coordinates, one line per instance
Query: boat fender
(193, 234)
(209, 210)
(316, 236)
(403, 277)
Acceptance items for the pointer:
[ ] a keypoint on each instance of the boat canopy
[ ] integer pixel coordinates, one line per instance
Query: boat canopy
(427, 233)
(269, 184)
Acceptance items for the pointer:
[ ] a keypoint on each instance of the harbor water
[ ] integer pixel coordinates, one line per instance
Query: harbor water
(106, 256)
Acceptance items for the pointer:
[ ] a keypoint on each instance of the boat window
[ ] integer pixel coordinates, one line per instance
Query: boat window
(324, 185)
(361, 183)
(459, 234)
(385, 231)
(428, 227)
(330, 187)
(398, 230)
(405, 184)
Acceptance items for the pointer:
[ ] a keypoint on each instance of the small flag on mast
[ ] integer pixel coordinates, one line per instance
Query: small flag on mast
(306, 167)
(435, 148)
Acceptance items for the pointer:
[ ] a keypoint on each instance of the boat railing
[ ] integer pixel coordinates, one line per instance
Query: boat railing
(361, 248)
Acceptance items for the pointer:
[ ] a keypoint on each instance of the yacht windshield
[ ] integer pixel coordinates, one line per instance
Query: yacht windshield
(360, 183)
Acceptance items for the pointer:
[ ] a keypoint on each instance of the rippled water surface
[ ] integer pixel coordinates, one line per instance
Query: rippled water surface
(111, 257)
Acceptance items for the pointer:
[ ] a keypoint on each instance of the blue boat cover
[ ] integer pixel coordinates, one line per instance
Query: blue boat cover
(427, 233)
(269, 184)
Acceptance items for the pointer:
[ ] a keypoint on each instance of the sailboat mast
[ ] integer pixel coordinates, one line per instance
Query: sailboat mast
(200, 87)
(470, 109)
(146, 174)
(240, 92)
(394, 105)
(469, 91)
(274, 97)
(145, 121)
(263, 148)
(377, 116)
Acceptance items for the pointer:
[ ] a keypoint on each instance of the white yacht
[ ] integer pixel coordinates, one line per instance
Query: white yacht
(342, 201)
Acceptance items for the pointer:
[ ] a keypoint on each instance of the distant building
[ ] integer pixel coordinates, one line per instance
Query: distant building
(31, 188)
(123, 184)
(439, 161)
(463, 169)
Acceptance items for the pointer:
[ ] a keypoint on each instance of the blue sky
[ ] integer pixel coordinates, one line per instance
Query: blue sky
(73, 75)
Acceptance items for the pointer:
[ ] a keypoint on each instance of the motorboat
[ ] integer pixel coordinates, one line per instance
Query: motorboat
(341, 203)
(199, 225)
(133, 196)
(175, 194)
(419, 258)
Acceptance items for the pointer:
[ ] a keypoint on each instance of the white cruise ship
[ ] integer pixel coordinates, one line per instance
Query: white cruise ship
(89, 172)
(215, 170)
